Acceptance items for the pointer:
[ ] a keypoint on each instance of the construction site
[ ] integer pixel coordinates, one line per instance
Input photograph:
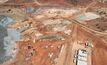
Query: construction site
(53, 32)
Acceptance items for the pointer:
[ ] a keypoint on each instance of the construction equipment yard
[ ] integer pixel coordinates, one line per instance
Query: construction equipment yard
(53, 32)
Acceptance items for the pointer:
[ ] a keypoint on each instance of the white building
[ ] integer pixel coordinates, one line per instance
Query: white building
(81, 58)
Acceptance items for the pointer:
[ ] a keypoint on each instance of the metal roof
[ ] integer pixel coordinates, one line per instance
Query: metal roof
(5, 20)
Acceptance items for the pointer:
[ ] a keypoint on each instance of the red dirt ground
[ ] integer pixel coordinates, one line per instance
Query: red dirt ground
(99, 51)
